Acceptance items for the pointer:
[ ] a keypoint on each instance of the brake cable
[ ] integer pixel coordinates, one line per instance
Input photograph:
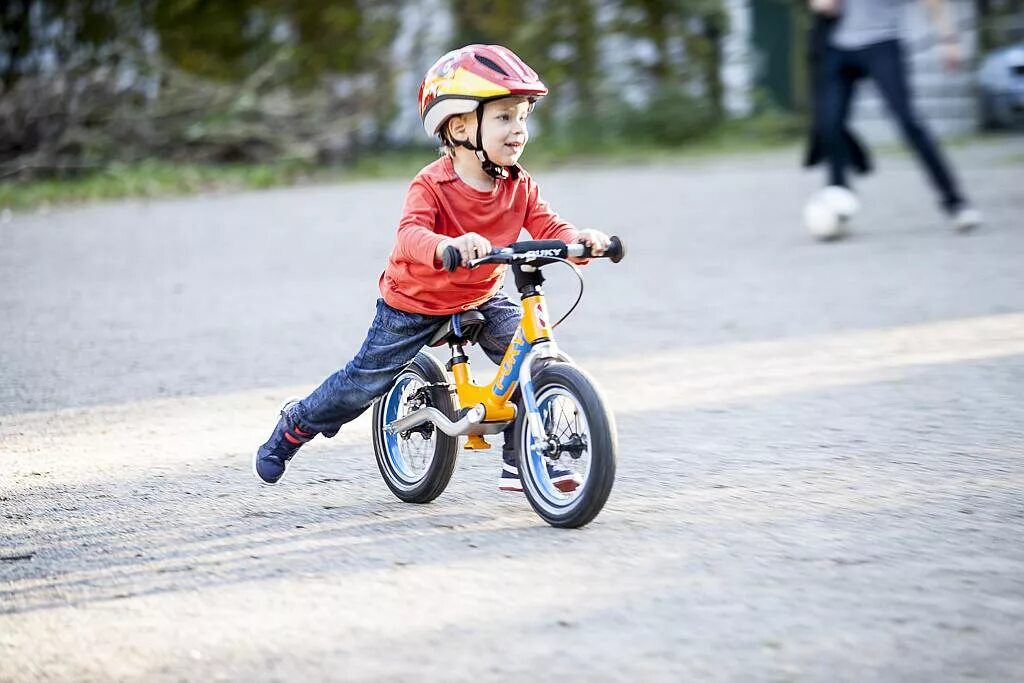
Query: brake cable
(575, 269)
(579, 297)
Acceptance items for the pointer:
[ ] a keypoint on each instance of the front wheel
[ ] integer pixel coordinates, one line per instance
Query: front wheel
(417, 464)
(568, 478)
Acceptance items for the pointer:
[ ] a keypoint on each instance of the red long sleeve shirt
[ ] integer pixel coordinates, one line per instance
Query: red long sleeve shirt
(440, 205)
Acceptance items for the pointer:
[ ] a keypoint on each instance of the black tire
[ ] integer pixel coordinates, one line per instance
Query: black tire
(408, 485)
(551, 384)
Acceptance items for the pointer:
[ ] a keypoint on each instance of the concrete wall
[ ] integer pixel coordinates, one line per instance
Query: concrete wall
(738, 60)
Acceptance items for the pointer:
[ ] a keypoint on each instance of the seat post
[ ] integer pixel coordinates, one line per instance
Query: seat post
(458, 365)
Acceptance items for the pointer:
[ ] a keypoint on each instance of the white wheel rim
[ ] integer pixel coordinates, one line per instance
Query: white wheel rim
(562, 413)
(407, 460)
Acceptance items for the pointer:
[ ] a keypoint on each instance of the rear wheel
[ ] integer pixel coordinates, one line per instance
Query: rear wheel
(569, 477)
(417, 464)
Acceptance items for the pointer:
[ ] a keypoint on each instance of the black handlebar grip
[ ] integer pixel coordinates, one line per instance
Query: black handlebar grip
(452, 259)
(615, 251)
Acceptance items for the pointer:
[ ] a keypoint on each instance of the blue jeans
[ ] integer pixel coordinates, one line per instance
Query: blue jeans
(393, 340)
(884, 64)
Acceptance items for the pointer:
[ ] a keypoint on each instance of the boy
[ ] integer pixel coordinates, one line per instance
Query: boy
(476, 100)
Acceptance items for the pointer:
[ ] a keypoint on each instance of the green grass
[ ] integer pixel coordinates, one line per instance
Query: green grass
(166, 179)
(749, 136)
(148, 179)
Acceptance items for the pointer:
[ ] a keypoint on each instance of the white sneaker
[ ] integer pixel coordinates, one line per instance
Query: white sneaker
(966, 218)
(509, 480)
(829, 211)
(562, 478)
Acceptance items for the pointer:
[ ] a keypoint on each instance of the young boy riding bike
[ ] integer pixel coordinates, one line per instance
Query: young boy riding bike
(477, 101)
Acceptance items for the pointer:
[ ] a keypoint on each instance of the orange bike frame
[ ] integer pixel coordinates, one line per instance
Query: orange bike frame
(535, 326)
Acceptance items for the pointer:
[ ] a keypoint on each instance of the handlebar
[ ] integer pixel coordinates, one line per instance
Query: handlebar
(534, 250)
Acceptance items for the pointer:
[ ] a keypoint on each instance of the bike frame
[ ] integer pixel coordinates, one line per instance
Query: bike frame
(487, 409)
(534, 339)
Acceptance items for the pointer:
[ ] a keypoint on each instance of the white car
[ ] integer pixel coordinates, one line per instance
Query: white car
(1001, 87)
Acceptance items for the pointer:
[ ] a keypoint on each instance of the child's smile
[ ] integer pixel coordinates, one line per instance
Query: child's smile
(511, 152)
(505, 133)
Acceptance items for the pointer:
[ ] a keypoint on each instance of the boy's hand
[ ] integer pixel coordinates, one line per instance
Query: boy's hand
(470, 246)
(952, 57)
(596, 240)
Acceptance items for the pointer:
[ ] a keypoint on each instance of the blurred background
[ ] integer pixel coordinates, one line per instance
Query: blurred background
(819, 474)
(87, 84)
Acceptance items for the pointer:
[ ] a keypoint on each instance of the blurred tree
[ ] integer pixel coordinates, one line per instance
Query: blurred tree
(99, 79)
(36, 35)
(228, 39)
(221, 39)
(87, 81)
(559, 39)
(15, 39)
(1001, 22)
(498, 21)
(685, 35)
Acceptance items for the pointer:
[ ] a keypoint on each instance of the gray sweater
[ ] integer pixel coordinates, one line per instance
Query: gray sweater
(866, 22)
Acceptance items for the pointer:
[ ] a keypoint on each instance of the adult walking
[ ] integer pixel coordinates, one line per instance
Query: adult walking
(862, 40)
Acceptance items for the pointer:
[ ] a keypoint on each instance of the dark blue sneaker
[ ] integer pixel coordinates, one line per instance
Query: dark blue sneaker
(271, 460)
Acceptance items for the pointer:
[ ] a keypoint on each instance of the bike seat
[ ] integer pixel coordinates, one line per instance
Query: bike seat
(461, 328)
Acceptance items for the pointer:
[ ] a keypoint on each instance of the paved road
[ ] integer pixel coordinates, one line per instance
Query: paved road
(820, 475)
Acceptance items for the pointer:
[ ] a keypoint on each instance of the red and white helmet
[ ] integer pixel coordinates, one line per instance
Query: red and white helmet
(464, 78)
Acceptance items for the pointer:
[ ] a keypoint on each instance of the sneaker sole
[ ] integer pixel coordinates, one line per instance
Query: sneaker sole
(566, 485)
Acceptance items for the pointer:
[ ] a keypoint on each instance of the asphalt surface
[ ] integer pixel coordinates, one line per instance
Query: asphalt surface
(820, 473)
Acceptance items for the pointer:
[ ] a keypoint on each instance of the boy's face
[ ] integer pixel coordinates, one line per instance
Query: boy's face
(505, 133)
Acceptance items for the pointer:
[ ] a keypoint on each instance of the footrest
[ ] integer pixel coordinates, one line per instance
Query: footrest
(475, 442)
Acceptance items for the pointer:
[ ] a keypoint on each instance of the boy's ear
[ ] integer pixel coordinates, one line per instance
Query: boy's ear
(457, 128)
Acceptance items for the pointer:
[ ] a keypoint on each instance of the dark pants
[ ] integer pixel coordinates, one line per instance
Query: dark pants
(883, 63)
(393, 340)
